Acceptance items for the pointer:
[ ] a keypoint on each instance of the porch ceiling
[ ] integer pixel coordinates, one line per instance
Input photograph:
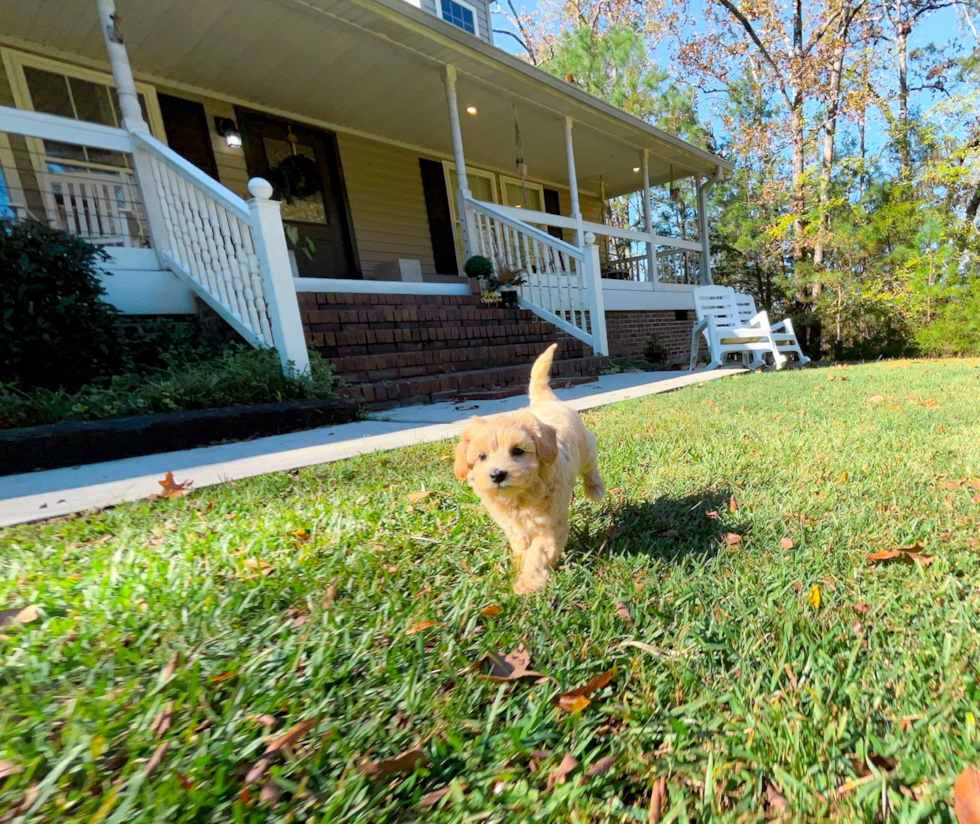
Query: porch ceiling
(374, 66)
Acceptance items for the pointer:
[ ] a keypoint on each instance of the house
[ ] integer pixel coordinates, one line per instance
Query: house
(318, 171)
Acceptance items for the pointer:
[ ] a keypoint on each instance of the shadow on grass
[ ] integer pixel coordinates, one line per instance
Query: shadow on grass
(666, 528)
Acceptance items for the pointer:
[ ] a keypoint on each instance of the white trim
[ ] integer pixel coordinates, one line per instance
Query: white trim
(630, 296)
(465, 5)
(64, 129)
(379, 287)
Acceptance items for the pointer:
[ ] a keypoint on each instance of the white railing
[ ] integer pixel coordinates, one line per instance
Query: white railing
(120, 188)
(561, 282)
(636, 266)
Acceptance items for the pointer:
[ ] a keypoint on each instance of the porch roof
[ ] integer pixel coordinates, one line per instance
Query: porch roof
(375, 67)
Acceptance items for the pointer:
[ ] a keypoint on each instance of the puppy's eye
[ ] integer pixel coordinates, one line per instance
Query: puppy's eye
(482, 456)
(517, 452)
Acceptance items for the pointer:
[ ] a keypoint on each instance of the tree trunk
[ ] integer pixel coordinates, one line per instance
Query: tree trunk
(902, 28)
(799, 200)
(827, 161)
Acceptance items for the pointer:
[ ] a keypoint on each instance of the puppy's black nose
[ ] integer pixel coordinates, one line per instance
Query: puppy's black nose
(498, 476)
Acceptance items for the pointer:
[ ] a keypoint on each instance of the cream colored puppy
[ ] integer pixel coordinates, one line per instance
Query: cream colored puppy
(523, 465)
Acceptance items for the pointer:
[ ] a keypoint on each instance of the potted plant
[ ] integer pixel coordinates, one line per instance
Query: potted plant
(480, 272)
(509, 279)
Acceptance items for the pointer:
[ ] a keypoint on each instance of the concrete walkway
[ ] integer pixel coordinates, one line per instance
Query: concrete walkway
(39, 495)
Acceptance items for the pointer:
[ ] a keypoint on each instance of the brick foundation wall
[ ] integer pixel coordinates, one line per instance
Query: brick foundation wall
(629, 332)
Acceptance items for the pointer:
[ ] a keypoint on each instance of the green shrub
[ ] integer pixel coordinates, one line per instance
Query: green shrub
(55, 330)
(654, 351)
(955, 330)
(236, 375)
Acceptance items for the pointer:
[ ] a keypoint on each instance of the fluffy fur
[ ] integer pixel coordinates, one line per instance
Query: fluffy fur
(523, 466)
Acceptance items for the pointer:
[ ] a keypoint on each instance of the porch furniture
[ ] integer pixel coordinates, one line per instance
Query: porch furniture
(726, 332)
(783, 334)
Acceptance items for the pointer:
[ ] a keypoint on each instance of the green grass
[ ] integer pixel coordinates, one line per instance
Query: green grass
(741, 684)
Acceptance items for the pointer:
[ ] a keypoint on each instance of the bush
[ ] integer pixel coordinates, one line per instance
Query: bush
(236, 375)
(56, 330)
(654, 351)
(955, 330)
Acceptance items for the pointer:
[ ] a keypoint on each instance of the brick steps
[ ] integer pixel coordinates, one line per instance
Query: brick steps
(467, 385)
(394, 350)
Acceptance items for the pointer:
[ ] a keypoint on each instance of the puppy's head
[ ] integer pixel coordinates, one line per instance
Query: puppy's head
(504, 456)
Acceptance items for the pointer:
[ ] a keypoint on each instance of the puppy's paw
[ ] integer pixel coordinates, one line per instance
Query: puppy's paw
(527, 583)
(594, 487)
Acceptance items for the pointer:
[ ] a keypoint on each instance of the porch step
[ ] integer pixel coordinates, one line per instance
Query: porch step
(477, 384)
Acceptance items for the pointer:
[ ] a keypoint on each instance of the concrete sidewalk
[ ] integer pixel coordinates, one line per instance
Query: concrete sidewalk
(38, 495)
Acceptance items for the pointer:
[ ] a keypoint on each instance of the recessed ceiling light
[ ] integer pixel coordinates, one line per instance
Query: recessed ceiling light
(636, 168)
(471, 109)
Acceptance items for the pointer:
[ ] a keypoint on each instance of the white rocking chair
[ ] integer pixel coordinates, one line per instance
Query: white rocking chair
(783, 334)
(726, 332)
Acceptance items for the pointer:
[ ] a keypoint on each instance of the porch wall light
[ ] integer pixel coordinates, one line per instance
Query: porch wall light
(636, 169)
(471, 109)
(228, 129)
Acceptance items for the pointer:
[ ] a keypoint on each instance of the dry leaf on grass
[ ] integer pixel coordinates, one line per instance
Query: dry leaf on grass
(861, 609)
(170, 668)
(401, 763)
(172, 489)
(490, 611)
(600, 767)
(796, 586)
(415, 497)
(430, 800)
(624, 613)
(162, 722)
(966, 796)
(274, 745)
(785, 543)
(156, 758)
(775, 800)
(560, 773)
(658, 797)
(813, 599)
(7, 769)
(269, 793)
(729, 538)
(330, 596)
(509, 667)
(732, 506)
(19, 615)
(577, 699)
(261, 566)
(421, 625)
(905, 555)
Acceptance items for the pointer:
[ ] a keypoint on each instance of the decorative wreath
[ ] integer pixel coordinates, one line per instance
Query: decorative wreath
(296, 176)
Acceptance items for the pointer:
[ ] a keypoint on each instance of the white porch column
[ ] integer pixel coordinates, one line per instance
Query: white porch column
(592, 272)
(132, 121)
(703, 238)
(573, 184)
(648, 221)
(466, 224)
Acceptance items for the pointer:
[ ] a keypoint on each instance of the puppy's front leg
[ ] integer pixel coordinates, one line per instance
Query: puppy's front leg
(541, 555)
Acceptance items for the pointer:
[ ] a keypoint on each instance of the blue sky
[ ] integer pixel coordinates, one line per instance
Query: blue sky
(942, 28)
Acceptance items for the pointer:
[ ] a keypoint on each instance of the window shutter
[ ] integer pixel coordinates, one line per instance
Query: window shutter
(187, 131)
(440, 218)
(552, 205)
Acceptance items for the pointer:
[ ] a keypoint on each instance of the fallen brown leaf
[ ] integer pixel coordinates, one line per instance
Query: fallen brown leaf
(6, 769)
(658, 796)
(172, 489)
(509, 667)
(421, 625)
(966, 796)
(785, 543)
(261, 566)
(861, 609)
(732, 506)
(284, 739)
(264, 720)
(775, 800)
(162, 722)
(257, 772)
(624, 613)
(170, 668)
(600, 767)
(905, 555)
(18, 615)
(490, 611)
(669, 533)
(577, 699)
(560, 773)
(269, 794)
(330, 596)
(729, 538)
(401, 763)
(415, 497)
(431, 799)
(796, 586)
(156, 758)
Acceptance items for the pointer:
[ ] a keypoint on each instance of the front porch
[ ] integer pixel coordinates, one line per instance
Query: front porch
(416, 173)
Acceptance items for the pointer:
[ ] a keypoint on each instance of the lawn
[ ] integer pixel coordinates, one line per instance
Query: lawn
(783, 674)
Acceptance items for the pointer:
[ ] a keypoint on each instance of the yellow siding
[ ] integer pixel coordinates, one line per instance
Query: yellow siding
(384, 188)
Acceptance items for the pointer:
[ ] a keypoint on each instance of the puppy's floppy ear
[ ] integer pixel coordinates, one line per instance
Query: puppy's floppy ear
(546, 440)
(461, 466)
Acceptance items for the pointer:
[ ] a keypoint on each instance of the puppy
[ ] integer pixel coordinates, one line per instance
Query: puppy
(523, 466)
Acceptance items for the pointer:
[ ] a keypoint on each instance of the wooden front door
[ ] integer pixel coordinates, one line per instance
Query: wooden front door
(303, 165)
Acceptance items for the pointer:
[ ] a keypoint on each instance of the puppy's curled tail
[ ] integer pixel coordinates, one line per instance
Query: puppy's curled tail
(538, 389)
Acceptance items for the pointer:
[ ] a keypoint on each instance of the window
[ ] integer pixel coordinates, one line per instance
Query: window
(483, 186)
(460, 14)
(514, 192)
